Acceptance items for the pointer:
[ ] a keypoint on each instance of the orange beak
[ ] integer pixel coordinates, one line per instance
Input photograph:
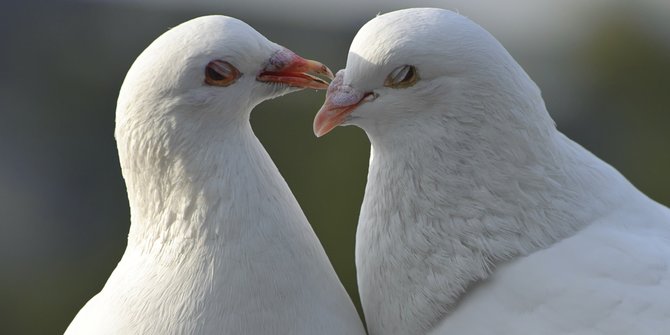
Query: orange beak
(341, 101)
(285, 67)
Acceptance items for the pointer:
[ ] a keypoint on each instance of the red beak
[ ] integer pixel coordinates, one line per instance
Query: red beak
(286, 67)
(341, 100)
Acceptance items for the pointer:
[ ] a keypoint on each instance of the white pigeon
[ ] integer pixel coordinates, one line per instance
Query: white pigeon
(479, 216)
(217, 242)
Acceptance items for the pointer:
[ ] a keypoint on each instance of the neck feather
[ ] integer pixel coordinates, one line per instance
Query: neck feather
(194, 189)
(444, 207)
(215, 229)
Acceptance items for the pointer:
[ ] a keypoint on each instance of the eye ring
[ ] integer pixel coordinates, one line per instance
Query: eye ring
(220, 73)
(402, 77)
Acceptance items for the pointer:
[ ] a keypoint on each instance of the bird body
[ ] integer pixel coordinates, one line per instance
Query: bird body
(217, 244)
(548, 254)
(610, 278)
(479, 216)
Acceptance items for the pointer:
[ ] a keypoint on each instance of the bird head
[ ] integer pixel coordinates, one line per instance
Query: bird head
(423, 68)
(194, 87)
(215, 67)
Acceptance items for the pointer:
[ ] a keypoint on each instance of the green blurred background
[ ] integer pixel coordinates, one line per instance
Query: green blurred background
(603, 66)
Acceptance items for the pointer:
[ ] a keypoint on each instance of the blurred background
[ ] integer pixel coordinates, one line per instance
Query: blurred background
(603, 66)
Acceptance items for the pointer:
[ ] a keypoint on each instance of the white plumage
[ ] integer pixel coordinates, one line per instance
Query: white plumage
(217, 244)
(479, 216)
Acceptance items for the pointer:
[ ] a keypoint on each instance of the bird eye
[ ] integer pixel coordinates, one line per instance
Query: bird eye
(402, 77)
(220, 73)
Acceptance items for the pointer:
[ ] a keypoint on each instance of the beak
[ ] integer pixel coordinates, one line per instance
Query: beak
(341, 100)
(285, 67)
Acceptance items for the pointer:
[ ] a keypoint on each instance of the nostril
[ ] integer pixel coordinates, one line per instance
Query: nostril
(279, 59)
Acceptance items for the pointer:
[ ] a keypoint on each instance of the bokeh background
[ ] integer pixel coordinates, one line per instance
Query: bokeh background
(603, 66)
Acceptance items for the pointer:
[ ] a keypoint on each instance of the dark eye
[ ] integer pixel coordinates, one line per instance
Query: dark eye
(402, 76)
(220, 73)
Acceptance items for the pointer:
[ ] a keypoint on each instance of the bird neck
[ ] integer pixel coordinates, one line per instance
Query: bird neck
(215, 228)
(440, 214)
(196, 189)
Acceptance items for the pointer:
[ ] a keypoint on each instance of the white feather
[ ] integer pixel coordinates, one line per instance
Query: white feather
(217, 244)
(479, 217)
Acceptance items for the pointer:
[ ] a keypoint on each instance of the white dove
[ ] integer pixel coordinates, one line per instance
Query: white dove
(479, 216)
(217, 242)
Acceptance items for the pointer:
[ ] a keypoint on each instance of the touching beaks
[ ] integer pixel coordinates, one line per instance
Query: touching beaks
(341, 101)
(285, 67)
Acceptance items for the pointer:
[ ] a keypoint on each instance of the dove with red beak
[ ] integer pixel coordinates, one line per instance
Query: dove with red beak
(217, 242)
(479, 216)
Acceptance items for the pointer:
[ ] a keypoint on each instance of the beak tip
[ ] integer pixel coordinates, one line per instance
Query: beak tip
(328, 73)
(323, 122)
(318, 131)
